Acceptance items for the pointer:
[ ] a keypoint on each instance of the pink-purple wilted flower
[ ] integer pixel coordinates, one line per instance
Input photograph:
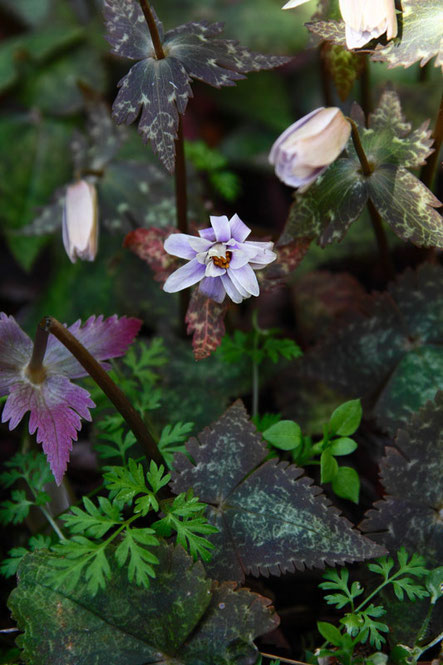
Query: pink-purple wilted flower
(56, 405)
(221, 259)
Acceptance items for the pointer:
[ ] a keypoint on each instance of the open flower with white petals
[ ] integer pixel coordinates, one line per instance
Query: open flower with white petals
(221, 259)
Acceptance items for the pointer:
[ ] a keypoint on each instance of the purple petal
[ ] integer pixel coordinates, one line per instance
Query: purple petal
(242, 291)
(246, 278)
(213, 288)
(187, 275)
(56, 406)
(222, 228)
(239, 230)
(207, 234)
(214, 271)
(230, 289)
(177, 244)
(104, 339)
(264, 253)
(200, 244)
(273, 155)
(15, 352)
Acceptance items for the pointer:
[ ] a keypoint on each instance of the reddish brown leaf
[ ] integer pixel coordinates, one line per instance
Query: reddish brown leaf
(289, 256)
(148, 245)
(205, 321)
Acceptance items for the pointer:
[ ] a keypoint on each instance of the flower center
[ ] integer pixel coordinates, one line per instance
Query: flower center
(222, 261)
(35, 375)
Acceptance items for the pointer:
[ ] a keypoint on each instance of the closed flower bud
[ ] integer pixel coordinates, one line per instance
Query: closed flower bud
(80, 221)
(368, 19)
(308, 146)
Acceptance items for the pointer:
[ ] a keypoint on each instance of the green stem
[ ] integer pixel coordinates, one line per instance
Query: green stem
(156, 41)
(365, 88)
(382, 242)
(425, 624)
(429, 169)
(181, 196)
(104, 381)
(52, 522)
(255, 364)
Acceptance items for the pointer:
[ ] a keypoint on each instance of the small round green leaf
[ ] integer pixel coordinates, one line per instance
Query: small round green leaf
(328, 467)
(346, 483)
(330, 633)
(343, 446)
(346, 418)
(285, 435)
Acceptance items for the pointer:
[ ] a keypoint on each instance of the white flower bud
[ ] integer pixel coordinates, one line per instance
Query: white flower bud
(80, 221)
(308, 146)
(368, 19)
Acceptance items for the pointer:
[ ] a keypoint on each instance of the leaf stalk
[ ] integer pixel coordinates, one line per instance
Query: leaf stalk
(153, 30)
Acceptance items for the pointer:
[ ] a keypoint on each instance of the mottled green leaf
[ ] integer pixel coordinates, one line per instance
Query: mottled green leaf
(270, 519)
(329, 206)
(420, 37)
(409, 207)
(330, 31)
(391, 351)
(411, 474)
(179, 618)
(159, 89)
(344, 66)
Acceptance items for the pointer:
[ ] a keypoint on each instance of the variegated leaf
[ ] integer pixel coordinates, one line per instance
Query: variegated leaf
(420, 38)
(148, 245)
(330, 31)
(406, 205)
(270, 517)
(205, 321)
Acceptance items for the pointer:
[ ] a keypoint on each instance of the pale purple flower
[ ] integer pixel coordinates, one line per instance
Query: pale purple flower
(221, 259)
(56, 405)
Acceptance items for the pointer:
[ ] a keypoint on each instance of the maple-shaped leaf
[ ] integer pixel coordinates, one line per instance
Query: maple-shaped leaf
(420, 38)
(411, 513)
(148, 245)
(344, 67)
(336, 199)
(391, 351)
(270, 517)
(205, 322)
(182, 617)
(158, 89)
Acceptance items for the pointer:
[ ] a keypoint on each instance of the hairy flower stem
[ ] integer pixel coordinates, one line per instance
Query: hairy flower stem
(149, 16)
(429, 169)
(365, 88)
(104, 381)
(367, 169)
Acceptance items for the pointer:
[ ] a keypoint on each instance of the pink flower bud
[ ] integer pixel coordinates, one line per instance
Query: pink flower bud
(366, 20)
(80, 221)
(306, 148)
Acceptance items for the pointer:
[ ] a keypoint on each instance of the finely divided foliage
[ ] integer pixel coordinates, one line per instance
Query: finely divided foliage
(182, 617)
(337, 198)
(270, 518)
(411, 474)
(392, 352)
(160, 89)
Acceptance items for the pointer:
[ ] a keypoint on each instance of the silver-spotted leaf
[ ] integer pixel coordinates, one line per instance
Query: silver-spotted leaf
(411, 513)
(270, 517)
(421, 36)
(390, 351)
(205, 322)
(182, 617)
(158, 89)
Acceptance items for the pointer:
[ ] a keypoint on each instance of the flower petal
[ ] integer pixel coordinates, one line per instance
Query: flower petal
(222, 228)
(245, 277)
(15, 352)
(56, 406)
(230, 289)
(200, 244)
(239, 258)
(187, 275)
(207, 234)
(104, 339)
(239, 230)
(213, 288)
(214, 271)
(177, 244)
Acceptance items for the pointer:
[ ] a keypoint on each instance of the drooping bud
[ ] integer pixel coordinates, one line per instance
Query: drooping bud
(306, 149)
(80, 221)
(366, 20)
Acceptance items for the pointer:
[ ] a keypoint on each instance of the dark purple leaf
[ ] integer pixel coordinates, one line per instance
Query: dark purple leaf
(148, 245)
(288, 258)
(270, 518)
(411, 473)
